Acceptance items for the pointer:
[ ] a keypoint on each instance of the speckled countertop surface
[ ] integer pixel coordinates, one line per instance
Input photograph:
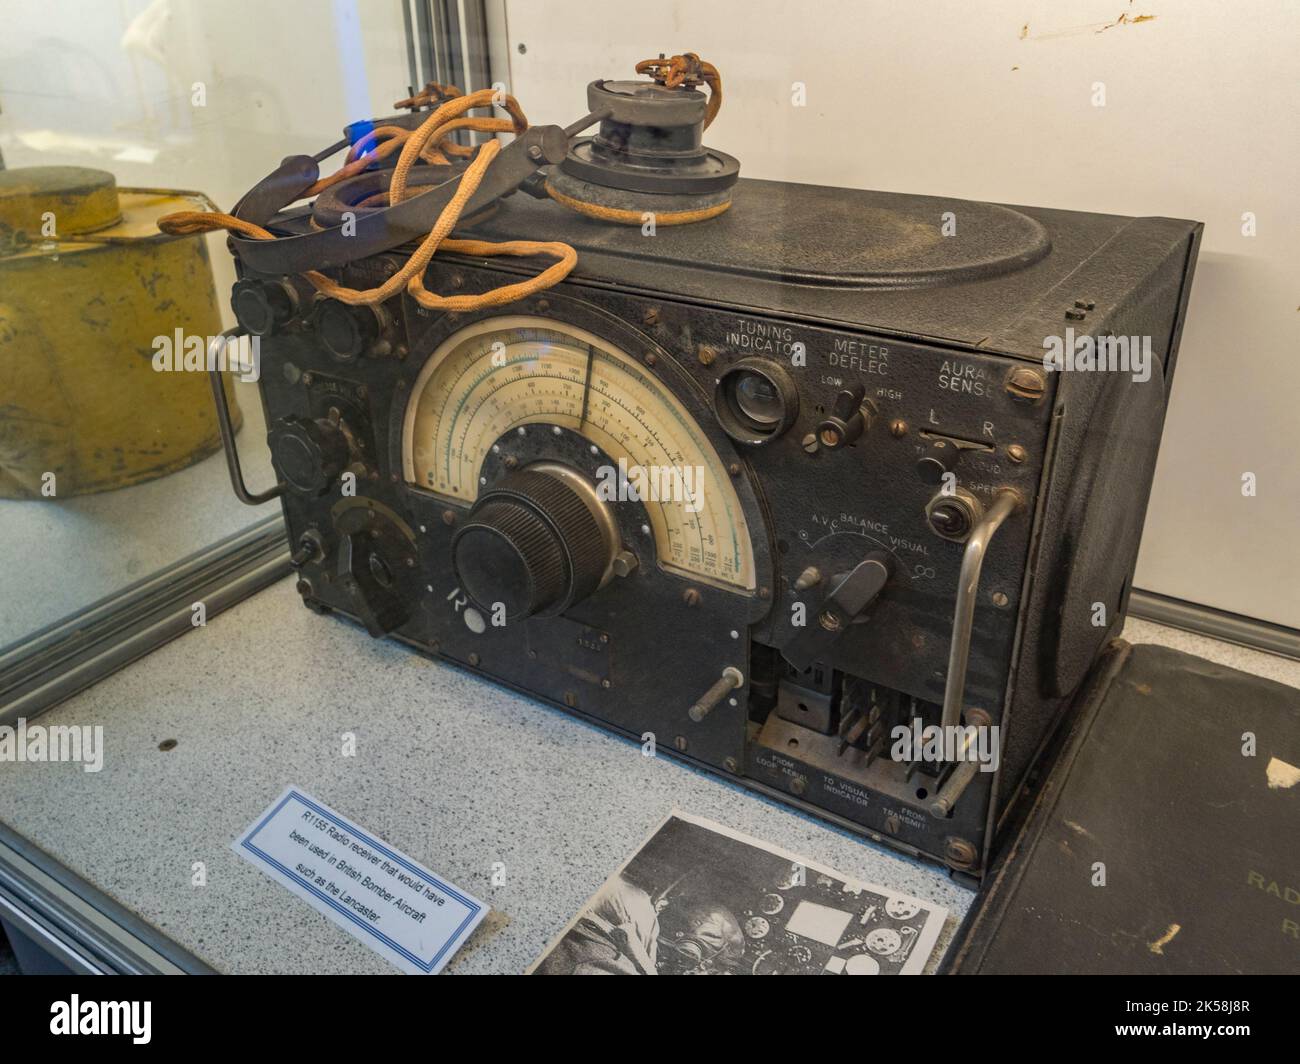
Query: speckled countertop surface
(452, 770)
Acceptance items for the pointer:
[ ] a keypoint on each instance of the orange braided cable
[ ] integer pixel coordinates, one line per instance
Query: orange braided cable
(635, 217)
(432, 154)
(714, 81)
(425, 95)
(355, 166)
(369, 140)
(191, 223)
(687, 70)
(410, 276)
(386, 140)
(566, 256)
(433, 126)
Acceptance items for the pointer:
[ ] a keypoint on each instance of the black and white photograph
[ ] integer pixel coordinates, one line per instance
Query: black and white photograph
(699, 899)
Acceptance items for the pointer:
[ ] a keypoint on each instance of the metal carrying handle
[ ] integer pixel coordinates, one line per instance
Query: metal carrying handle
(1005, 503)
(216, 377)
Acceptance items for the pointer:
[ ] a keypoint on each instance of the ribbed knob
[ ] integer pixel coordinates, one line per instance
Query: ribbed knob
(533, 544)
(310, 453)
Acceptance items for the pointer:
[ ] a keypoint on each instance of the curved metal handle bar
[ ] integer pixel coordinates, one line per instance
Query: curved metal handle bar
(216, 378)
(1005, 503)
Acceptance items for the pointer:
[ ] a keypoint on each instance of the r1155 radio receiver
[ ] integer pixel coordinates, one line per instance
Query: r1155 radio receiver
(835, 493)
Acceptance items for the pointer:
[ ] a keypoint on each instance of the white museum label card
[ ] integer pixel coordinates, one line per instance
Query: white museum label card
(396, 906)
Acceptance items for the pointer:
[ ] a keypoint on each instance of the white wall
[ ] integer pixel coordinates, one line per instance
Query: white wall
(993, 101)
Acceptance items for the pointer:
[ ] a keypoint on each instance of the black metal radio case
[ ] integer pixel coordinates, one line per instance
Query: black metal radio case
(911, 460)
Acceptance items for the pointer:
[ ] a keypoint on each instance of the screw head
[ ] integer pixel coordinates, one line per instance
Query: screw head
(730, 765)
(1017, 453)
(679, 744)
(1026, 384)
(960, 852)
(898, 428)
(691, 597)
(797, 785)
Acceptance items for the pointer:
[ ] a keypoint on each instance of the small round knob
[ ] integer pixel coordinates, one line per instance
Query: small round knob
(940, 460)
(309, 453)
(346, 331)
(260, 306)
(533, 543)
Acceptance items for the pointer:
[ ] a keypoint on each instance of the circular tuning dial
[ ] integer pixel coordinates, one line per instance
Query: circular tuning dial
(535, 543)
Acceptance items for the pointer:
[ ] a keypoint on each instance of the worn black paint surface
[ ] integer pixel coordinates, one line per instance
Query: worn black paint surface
(930, 325)
(1201, 855)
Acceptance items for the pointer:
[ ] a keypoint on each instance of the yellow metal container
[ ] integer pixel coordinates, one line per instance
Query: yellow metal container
(87, 285)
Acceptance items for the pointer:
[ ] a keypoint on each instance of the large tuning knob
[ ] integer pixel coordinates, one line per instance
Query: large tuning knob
(535, 543)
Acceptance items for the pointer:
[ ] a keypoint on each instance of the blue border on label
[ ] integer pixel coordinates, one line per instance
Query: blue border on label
(374, 844)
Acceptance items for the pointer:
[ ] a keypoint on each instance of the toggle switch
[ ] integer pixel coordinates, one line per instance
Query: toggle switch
(847, 420)
(847, 601)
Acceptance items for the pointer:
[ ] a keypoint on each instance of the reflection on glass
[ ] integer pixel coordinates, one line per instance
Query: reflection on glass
(110, 116)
